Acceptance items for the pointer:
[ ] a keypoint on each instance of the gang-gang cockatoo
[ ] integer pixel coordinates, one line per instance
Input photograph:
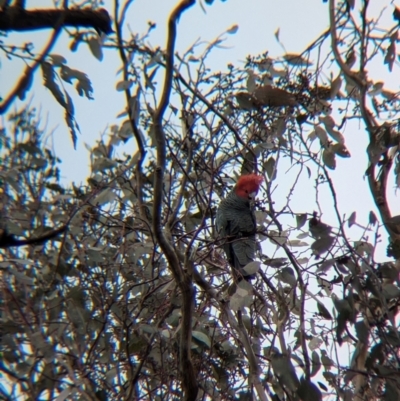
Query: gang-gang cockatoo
(236, 224)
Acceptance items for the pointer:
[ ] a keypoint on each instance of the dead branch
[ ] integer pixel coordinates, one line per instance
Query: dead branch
(17, 19)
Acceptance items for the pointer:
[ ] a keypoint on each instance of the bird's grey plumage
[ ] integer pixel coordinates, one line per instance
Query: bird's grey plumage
(236, 226)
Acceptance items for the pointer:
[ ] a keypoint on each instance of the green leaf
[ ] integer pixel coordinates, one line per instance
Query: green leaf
(315, 343)
(233, 29)
(340, 150)
(110, 375)
(252, 267)
(236, 302)
(308, 391)
(83, 86)
(316, 363)
(275, 262)
(362, 331)
(323, 311)
(372, 218)
(95, 47)
(297, 60)
(123, 85)
(321, 134)
(21, 277)
(65, 394)
(49, 83)
(277, 34)
(327, 362)
(269, 167)
(329, 159)
(285, 371)
(335, 86)
(286, 274)
(352, 219)
(295, 243)
(391, 291)
(322, 245)
(201, 337)
(57, 60)
(105, 196)
(301, 219)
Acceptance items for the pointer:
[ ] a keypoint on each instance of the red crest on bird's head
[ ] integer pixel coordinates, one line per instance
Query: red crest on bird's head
(248, 184)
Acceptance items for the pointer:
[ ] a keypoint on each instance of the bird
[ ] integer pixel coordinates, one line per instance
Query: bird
(274, 97)
(265, 95)
(236, 224)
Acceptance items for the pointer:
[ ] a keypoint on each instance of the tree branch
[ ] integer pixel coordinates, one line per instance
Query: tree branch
(189, 381)
(18, 19)
(128, 97)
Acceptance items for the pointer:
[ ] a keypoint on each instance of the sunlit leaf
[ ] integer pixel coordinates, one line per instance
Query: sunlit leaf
(236, 302)
(340, 149)
(335, 86)
(321, 134)
(252, 267)
(328, 157)
(336, 135)
(251, 82)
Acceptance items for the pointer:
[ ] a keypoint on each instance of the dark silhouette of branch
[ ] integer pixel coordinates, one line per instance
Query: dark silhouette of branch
(18, 19)
(8, 240)
(139, 141)
(184, 280)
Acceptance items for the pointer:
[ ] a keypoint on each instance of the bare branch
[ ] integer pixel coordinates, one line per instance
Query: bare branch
(18, 19)
(189, 380)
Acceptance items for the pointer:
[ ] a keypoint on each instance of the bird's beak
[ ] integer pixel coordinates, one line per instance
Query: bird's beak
(252, 195)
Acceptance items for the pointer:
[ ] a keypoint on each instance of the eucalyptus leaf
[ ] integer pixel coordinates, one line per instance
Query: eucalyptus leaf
(202, 338)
